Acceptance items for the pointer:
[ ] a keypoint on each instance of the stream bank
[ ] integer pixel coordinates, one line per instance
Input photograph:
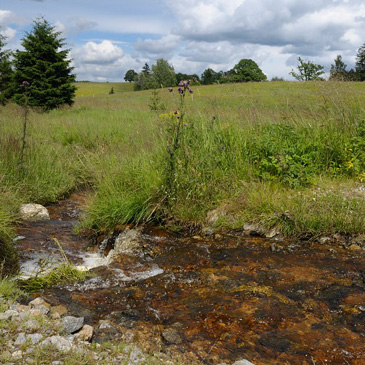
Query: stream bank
(211, 299)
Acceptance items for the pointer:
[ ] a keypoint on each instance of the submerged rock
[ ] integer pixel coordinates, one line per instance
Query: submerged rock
(129, 242)
(34, 212)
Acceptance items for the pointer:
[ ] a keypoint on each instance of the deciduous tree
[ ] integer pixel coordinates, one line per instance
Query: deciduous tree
(45, 66)
(246, 70)
(338, 70)
(308, 71)
(164, 73)
(130, 75)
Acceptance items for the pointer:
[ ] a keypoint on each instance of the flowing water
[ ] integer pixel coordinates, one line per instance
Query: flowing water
(214, 300)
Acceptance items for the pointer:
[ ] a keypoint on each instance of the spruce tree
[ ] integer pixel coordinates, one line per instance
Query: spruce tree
(46, 67)
(6, 72)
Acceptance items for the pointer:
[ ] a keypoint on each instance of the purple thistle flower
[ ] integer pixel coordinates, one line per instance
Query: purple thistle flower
(175, 112)
(180, 90)
(181, 83)
(191, 91)
(171, 89)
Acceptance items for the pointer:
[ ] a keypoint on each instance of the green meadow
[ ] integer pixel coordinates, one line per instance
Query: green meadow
(288, 155)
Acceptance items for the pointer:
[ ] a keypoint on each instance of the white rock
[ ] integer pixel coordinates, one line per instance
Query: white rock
(57, 341)
(20, 340)
(243, 362)
(34, 212)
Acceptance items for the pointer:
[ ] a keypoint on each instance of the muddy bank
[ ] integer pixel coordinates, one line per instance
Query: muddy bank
(220, 299)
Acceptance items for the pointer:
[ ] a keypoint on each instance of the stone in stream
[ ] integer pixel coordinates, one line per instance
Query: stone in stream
(171, 336)
(72, 324)
(33, 212)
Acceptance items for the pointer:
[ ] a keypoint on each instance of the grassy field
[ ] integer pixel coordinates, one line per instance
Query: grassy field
(284, 154)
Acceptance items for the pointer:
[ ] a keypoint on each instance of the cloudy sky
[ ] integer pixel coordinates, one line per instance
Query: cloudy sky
(108, 37)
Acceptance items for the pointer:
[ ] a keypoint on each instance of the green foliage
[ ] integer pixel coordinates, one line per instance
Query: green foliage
(307, 71)
(130, 75)
(360, 63)
(338, 70)
(9, 289)
(182, 77)
(162, 75)
(246, 70)
(61, 274)
(46, 67)
(6, 72)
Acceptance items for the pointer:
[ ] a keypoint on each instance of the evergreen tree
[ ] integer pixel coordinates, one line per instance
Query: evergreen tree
(360, 63)
(46, 67)
(6, 72)
(338, 70)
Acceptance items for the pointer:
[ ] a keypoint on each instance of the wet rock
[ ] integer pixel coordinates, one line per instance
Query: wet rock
(171, 336)
(85, 334)
(253, 229)
(59, 342)
(33, 212)
(72, 324)
(275, 248)
(272, 233)
(129, 242)
(242, 362)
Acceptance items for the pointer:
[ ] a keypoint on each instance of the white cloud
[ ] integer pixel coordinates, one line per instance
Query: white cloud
(98, 53)
(159, 48)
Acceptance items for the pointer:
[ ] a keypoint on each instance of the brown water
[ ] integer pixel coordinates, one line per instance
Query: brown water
(222, 299)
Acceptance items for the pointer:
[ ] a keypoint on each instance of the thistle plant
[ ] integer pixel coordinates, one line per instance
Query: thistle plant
(175, 132)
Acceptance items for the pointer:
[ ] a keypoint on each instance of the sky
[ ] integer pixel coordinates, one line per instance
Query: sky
(108, 37)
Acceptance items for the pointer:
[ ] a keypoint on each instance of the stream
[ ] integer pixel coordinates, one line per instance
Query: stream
(215, 299)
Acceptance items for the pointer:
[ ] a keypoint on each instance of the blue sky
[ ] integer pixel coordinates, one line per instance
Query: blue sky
(109, 37)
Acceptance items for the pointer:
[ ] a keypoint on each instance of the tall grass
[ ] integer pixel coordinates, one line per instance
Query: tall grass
(246, 147)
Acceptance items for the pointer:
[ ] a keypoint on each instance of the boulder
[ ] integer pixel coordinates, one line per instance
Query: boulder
(59, 342)
(85, 334)
(72, 324)
(34, 212)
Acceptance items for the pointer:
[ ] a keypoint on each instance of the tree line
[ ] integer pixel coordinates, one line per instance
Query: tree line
(40, 76)
(162, 74)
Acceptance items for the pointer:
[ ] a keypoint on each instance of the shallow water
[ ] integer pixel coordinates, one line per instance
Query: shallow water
(224, 299)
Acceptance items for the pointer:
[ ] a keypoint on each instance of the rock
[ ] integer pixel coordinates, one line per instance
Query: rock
(85, 334)
(136, 356)
(42, 308)
(34, 212)
(354, 247)
(324, 240)
(17, 355)
(34, 338)
(128, 242)
(170, 335)
(242, 362)
(9, 314)
(72, 324)
(59, 310)
(253, 229)
(38, 301)
(59, 342)
(272, 233)
(214, 215)
(36, 312)
(32, 325)
(20, 340)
